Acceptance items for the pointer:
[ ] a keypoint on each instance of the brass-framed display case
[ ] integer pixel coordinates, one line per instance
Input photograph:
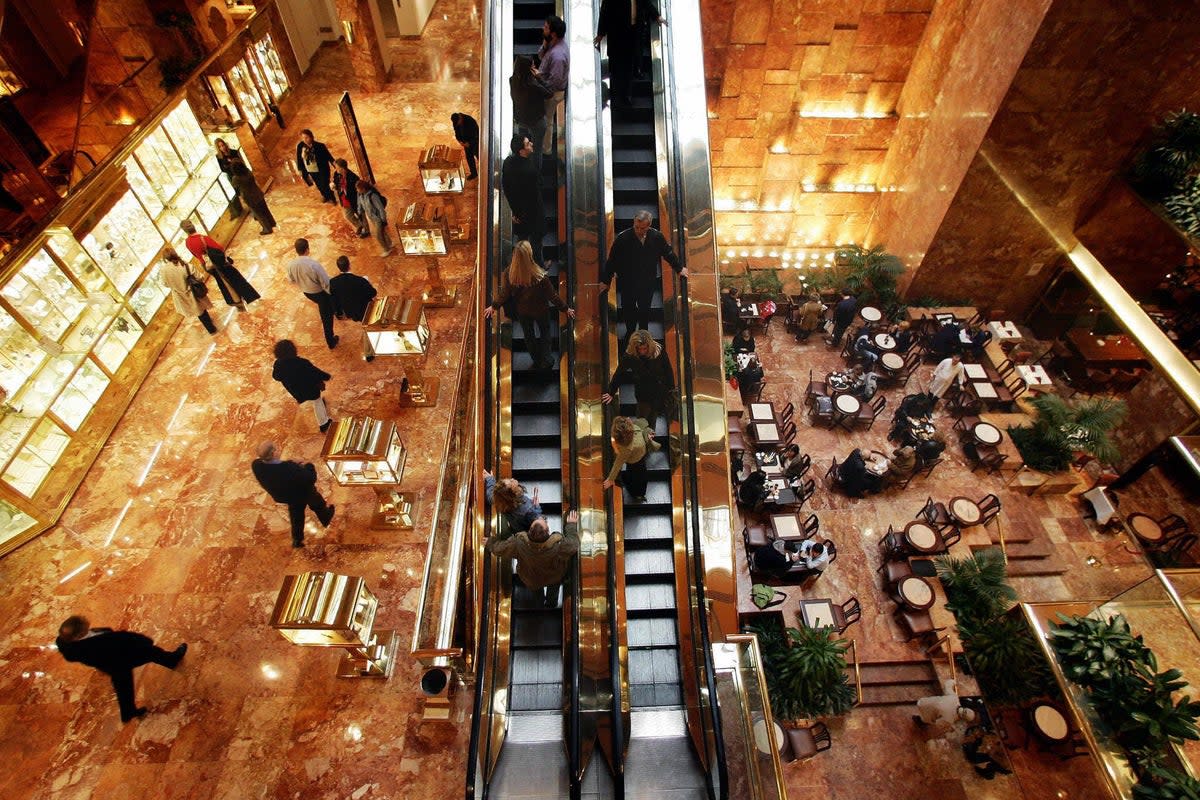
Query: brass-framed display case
(251, 84)
(442, 170)
(396, 326)
(361, 451)
(324, 609)
(424, 230)
(82, 312)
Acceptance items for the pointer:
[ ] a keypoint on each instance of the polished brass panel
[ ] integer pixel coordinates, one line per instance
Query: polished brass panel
(738, 661)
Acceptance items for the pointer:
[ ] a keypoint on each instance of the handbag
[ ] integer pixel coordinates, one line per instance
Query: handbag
(196, 286)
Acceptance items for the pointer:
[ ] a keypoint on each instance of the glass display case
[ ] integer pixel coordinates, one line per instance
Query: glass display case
(272, 69)
(424, 230)
(81, 395)
(44, 296)
(220, 92)
(361, 451)
(395, 326)
(247, 93)
(35, 460)
(118, 341)
(442, 170)
(123, 242)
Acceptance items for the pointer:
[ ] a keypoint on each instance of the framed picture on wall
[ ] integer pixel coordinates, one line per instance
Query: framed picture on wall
(354, 137)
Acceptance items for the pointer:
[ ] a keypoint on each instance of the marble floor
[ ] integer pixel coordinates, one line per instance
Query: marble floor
(170, 535)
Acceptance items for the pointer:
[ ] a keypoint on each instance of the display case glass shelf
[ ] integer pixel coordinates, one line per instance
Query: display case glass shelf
(185, 132)
(148, 296)
(277, 80)
(159, 158)
(45, 296)
(214, 203)
(20, 355)
(117, 341)
(247, 93)
(14, 427)
(124, 242)
(77, 262)
(38, 394)
(81, 395)
(424, 230)
(35, 460)
(147, 192)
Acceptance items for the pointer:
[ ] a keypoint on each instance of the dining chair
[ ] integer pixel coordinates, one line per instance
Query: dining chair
(822, 411)
(785, 416)
(755, 536)
(815, 388)
(914, 624)
(804, 492)
(788, 434)
(867, 412)
(737, 444)
(832, 478)
(990, 506)
(927, 468)
(951, 537)
(1172, 524)
(936, 515)
(805, 463)
(965, 405)
(893, 572)
(892, 545)
(805, 743)
(831, 548)
(846, 614)
(811, 526)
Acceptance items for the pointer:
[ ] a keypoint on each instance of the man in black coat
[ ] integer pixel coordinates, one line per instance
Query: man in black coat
(523, 189)
(351, 295)
(313, 159)
(843, 315)
(294, 484)
(634, 258)
(620, 24)
(466, 133)
(116, 654)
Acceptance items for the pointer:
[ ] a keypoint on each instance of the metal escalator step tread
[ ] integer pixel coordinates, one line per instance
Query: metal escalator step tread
(549, 490)
(653, 665)
(634, 129)
(649, 527)
(537, 628)
(649, 597)
(652, 632)
(635, 183)
(535, 393)
(536, 425)
(536, 458)
(537, 665)
(658, 561)
(535, 697)
(625, 155)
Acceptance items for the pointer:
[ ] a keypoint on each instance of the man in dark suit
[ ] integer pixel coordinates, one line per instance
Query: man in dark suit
(634, 258)
(843, 315)
(466, 133)
(313, 159)
(294, 484)
(621, 23)
(523, 189)
(351, 295)
(116, 654)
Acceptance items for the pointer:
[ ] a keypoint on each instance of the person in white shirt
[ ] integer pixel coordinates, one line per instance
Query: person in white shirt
(943, 711)
(308, 274)
(948, 370)
(815, 555)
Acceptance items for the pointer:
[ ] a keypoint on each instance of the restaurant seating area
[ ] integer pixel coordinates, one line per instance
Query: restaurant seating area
(972, 491)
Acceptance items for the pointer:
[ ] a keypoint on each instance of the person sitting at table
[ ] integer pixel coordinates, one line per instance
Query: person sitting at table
(743, 342)
(815, 555)
(731, 310)
(749, 376)
(948, 370)
(979, 339)
(930, 449)
(794, 465)
(753, 492)
(985, 763)
(901, 465)
(810, 316)
(864, 348)
(863, 383)
(902, 333)
(776, 559)
(855, 478)
(945, 340)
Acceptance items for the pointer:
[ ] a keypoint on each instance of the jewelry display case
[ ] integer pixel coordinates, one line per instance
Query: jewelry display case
(247, 93)
(424, 230)
(361, 451)
(268, 59)
(396, 326)
(442, 170)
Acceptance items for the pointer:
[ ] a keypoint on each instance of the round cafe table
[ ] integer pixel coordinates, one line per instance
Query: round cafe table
(847, 404)
(965, 510)
(870, 313)
(987, 433)
(1050, 723)
(762, 739)
(916, 592)
(1145, 528)
(921, 536)
(884, 341)
(891, 361)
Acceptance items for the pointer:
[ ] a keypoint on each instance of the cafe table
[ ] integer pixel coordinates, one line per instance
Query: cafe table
(1105, 351)
(1004, 330)
(817, 613)
(1049, 723)
(975, 371)
(847, 406)
(892, 362)
(1035, 375)
(921, 537)
(787, 527)
(884, 342)
(768, 462)
(763, 734)
(763, 412)
(916, 592)
(870, 313)
(984, 391)
(986, 433)
(748, 311)
(780, 493)
(965, 511)
(766, 434)
(964, 336)
(1145, 528)
(957, 312)
(838, 382)
(877, 463)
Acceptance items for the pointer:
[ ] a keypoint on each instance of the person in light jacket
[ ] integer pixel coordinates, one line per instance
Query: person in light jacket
(948, 370)
(632, 441)
(372, 207)
(542, 557)
(174, 274)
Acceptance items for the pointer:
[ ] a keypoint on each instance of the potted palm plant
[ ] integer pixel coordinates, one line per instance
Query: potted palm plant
(806, 671)
(1061, 429)
(870, 275)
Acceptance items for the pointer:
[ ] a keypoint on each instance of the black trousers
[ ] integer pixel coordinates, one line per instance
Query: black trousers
(471, 151)
(296, 514)
(533, 231)
(622, 50)
(325, 307)
(207, 322)
(321, 179)
(635, 312)
(634, 478)
(122, 679)
(539, 344)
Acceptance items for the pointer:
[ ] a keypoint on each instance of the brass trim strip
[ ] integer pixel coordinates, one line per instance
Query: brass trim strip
(751, 754)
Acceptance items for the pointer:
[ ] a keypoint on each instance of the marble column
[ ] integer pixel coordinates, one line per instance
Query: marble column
(366, 54)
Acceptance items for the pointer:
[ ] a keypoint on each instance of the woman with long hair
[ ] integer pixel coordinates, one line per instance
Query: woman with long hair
(645, 365)
(174, 273)
(529, 104)
(632, 441)
(232, 164)
(530, 292)
(518, 508)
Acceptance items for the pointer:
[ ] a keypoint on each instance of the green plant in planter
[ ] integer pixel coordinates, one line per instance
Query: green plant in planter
(1060, 429)
(731, 367)
(1095, 652)
(1171, 156)
(1167, 784)
(1006, 659)
(1144, 716)
(870, 275)
(766, 282)
(976, 587)
(806, 672)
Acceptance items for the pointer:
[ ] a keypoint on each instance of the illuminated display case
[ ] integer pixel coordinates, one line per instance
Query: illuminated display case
(76, 304)
(361, 451)
(396, 326)
(247, 92)
(442, 170)
(268, 59)
(424, 230)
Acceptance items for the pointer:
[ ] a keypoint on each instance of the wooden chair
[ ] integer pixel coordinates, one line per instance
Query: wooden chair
(893, 572)
(805, 463)
(965, 405)
(914, 624)
(925, 469)
(755, 536)
(804, 743)
(846, 614)
(806, 490)
(951, 537)
(892, 545)
(911, 364)
(785, 416)
(990, 506)
(737, 444)
(788, 434)
(935, 513)
(867, 412)
(753, 392)
(832, 478)
(815, 388)
(1172, 524)
(818, 414)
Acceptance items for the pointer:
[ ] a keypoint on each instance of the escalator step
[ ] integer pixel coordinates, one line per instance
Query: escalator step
(649, 597)
(537, 458)
(625, 211)
(653, 665)
(549, 489)
(648, 528)
(535, 393)
(651, 632)
(522, 362)
(655, 694)
(533, 666)
(540, 628)
(535, 697)
(623, 155)
(646, 184)
(650, 562)
(536, 424)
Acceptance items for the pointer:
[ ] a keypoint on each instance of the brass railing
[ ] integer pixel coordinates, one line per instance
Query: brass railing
(738, 667)
(857, 669)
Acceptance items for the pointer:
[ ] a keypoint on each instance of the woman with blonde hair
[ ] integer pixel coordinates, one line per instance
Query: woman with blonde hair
(174, 274)
(509, 498)
(646, 366)
(531, 293)
(632, 440)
